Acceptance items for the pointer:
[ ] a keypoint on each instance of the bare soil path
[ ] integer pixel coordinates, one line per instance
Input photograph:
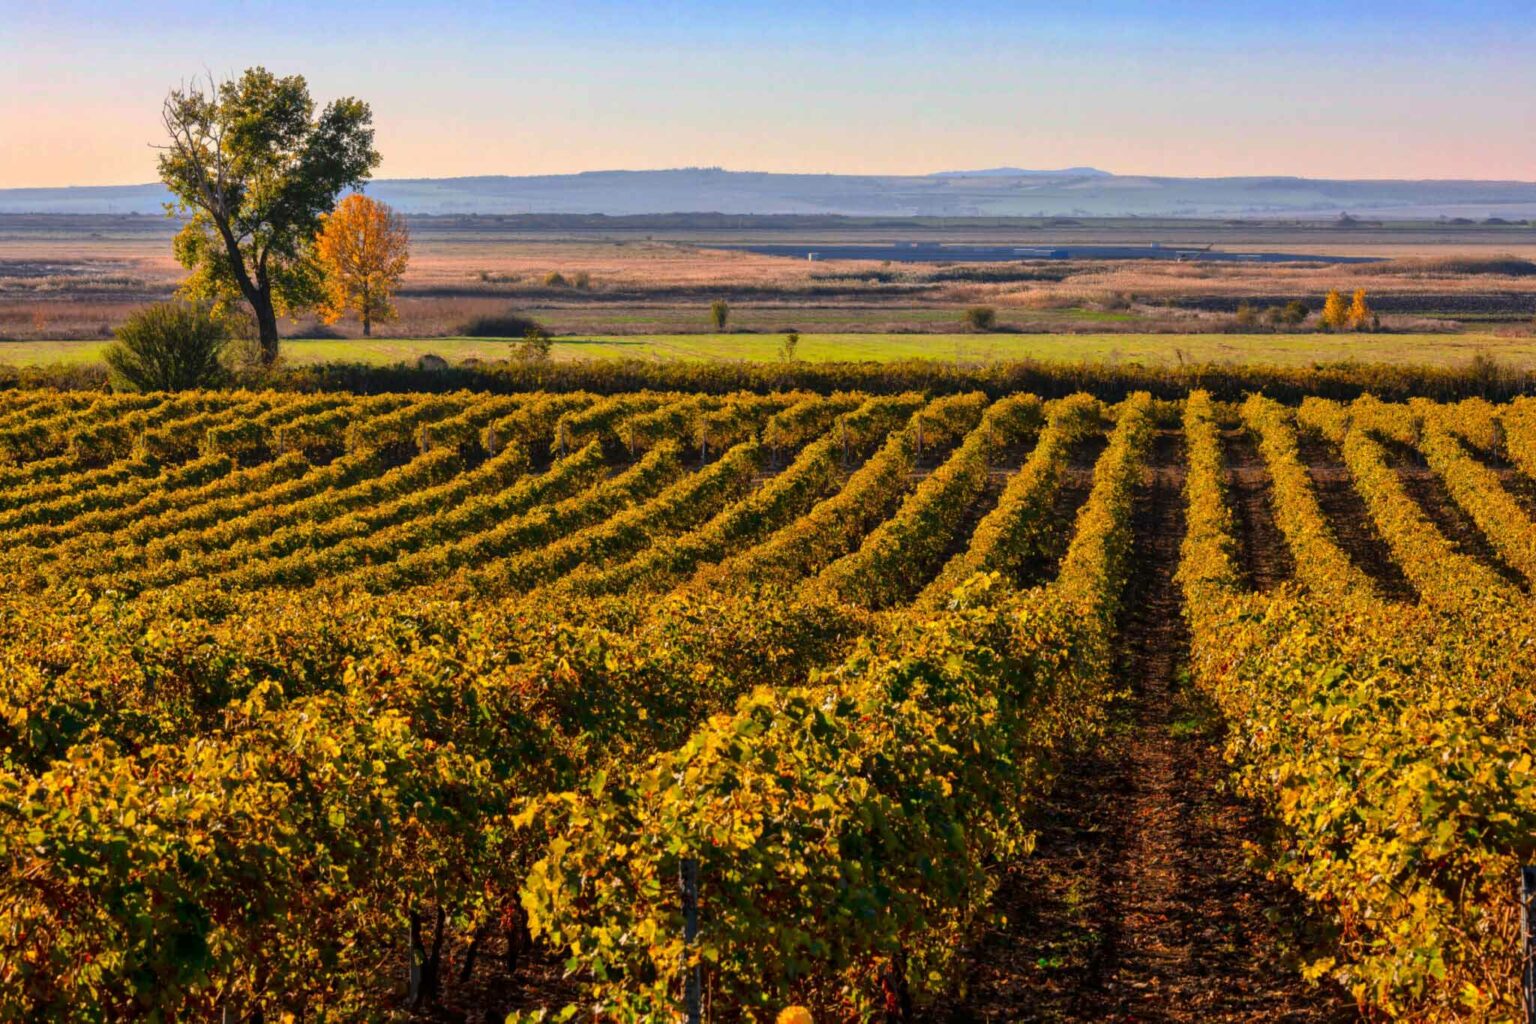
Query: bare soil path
(1432, 496)
(1349, 519)
(1267, 561)
(1141, 902)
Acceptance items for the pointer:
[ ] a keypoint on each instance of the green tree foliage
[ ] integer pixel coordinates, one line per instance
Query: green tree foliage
(256, 168)
(719, 313)
(170, 346)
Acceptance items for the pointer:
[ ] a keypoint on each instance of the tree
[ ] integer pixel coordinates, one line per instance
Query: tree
(1335, 313)
(1360, 314)
(536, 345)
(789, 346)
(170, 346)
(1247, 316)
(363, 248)
(256, 168)
(981, 318)
(719, 313)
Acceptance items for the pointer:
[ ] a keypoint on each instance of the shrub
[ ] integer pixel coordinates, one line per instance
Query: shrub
(1247, 316)
(581, 279)
(789, 346)
(719, 313)
(555, 279)
(981, 318)
(536, 345)
(317, 332)
(170, 346)
(1295, 312)
(499, 325)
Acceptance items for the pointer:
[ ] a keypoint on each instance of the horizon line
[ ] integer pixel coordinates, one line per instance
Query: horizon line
(997, 172)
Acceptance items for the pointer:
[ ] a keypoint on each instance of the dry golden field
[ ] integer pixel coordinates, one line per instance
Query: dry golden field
(68, 278)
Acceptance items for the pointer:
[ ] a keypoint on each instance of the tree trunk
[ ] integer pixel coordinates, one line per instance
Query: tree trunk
(367, 325)
(266, 327)
(257, 289)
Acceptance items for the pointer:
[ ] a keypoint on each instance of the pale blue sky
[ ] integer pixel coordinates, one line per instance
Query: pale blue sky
(1373, 89)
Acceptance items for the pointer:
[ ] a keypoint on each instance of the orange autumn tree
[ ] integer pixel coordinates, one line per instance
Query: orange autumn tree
(363, 249)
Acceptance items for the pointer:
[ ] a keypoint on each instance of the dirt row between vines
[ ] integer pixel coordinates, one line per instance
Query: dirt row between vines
(1142, 901)
(1349, 519)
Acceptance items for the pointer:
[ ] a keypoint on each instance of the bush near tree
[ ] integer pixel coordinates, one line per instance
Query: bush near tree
(981, 318)
(511, 324)
(170, 346)
(719, 313)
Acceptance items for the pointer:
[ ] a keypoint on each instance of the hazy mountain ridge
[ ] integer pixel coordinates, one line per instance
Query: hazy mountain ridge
(1005, 191)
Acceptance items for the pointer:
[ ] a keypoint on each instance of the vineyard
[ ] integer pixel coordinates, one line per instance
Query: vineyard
(659, 705)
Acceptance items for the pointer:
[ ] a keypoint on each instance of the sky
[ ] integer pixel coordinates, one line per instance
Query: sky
(1374, 89)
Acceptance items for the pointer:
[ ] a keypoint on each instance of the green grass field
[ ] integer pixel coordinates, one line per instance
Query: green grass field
(1282, 349)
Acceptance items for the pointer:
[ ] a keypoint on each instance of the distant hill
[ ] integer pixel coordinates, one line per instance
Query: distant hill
(1003, 191)
(1019, 172)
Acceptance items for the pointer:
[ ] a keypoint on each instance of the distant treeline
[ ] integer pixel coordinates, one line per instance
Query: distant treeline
(1481, 377)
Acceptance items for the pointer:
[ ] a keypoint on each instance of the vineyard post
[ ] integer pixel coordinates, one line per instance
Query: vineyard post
(688, 878)
(1527, 934)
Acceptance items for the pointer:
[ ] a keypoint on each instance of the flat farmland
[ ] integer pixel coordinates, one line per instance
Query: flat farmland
(970, 349)
(70, 278)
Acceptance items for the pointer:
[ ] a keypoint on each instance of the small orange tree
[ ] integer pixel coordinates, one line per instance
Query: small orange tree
(1360, 312)
(363, 249)
(1335, 312)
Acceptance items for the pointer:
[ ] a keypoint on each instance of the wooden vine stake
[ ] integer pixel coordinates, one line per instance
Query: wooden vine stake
(1527, 935)
(688, 880)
